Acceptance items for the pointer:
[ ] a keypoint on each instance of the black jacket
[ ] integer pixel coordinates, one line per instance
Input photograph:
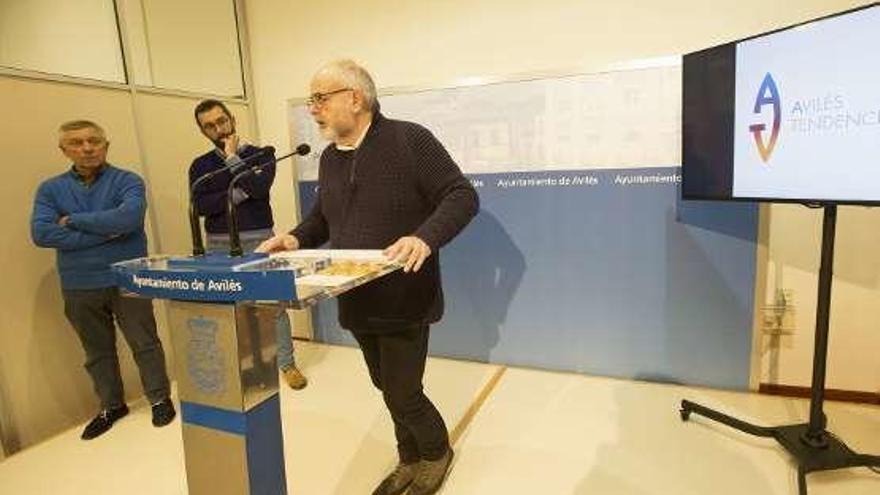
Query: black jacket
(400, 181)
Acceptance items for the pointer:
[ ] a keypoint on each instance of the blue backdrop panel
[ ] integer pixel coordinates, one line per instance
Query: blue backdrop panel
(596, 271)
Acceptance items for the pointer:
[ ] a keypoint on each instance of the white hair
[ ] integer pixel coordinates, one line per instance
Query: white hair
(75, 125)
(353, 76)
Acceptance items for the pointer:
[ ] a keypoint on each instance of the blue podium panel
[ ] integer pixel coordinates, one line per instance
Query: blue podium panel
(202, 279)
(299, 278)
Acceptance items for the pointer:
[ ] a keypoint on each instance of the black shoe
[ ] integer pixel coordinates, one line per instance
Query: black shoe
(103, 421)
(163, 412)
(399, 479)
(431, 475)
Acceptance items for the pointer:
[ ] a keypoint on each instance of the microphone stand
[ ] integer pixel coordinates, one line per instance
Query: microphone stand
(235, 249)
(195, 228)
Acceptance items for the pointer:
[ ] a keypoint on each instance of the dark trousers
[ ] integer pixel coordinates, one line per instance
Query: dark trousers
(396, 362)
(92, 312)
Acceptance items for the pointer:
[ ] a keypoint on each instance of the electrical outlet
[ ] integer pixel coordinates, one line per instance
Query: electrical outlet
(779, 318)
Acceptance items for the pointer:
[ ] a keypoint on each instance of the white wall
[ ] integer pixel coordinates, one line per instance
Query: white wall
(73, 38)
(190, 46)
(795, 245)
(438, 43)
(42, 382)
(43, 387)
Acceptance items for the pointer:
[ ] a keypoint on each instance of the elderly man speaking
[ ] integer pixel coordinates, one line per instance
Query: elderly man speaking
(388, 184)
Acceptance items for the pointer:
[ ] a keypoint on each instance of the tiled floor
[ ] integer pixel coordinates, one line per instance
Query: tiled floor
(535, 433)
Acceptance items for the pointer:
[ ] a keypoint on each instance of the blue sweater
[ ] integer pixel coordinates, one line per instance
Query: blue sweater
(106, 224)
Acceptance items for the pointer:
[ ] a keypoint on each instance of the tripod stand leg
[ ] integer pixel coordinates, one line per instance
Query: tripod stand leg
(868, 461)
(802, 480)
(688, 407)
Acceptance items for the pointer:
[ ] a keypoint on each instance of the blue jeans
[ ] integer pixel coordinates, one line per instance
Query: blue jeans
(283, 333)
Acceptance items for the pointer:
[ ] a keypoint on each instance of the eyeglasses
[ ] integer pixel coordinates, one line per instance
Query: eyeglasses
(318, 99)
(217, 124)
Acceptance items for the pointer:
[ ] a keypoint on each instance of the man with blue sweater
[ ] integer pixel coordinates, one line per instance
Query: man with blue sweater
(93, 216)
(251, 197)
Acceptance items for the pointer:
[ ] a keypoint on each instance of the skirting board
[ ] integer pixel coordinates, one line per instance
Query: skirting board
(830, 393)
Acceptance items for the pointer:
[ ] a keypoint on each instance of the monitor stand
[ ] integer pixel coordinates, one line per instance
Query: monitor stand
(813, 447)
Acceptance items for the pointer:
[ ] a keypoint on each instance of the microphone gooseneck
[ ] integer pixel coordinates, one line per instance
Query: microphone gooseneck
(231, 208)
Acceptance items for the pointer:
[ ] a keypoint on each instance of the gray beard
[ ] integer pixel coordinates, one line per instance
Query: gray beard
(329, 134)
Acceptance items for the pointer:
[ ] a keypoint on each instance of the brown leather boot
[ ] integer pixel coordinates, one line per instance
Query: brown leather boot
(431, 475)
(399, 479)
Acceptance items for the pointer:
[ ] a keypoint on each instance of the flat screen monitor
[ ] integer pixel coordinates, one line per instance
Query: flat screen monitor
(791, 116)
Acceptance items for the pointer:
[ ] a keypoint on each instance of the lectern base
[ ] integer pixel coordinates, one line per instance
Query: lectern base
(228, 387)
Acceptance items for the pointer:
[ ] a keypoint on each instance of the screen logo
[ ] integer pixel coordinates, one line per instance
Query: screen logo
(768, 94)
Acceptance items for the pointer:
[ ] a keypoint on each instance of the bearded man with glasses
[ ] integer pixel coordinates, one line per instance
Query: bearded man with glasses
(254, 211)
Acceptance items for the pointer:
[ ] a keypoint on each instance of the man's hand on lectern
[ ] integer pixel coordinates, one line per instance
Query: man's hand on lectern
(281, 242)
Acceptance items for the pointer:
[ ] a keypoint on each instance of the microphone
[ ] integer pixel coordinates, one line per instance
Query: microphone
(301, 150)
(204, 177)
(231, 213)
(194, 224)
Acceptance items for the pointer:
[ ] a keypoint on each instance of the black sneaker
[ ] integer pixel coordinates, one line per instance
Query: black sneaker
(103, 421)
(163, 412)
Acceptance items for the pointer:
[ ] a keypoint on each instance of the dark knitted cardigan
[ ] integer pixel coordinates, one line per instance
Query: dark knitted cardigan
(399, 182)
